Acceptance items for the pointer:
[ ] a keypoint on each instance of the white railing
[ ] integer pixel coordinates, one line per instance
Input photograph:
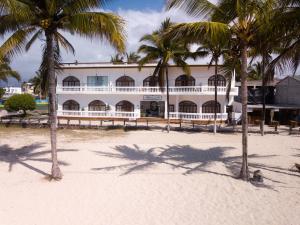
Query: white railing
(197, 116)
(104, 114)
(135, 115)
(194, 90)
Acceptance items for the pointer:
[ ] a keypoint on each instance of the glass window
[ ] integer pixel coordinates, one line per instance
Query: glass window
(71, 82)
(97, 81)
(125, 106)
(221, 81)
(209, 107)
(125, 81)
(185, 80)
(97, 105)
(71, 105)
(187, 107)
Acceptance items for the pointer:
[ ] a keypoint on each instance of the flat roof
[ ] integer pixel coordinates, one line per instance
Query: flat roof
(274, 106)
(116, 65)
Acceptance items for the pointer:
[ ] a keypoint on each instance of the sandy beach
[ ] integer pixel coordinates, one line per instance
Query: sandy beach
(146, 177)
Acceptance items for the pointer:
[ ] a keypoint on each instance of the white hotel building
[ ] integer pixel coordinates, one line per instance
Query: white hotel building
(101, 90)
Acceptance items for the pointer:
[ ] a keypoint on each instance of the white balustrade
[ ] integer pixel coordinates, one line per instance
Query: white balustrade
(197, 116)
(104, 114)
(191, 90)
(135, 115)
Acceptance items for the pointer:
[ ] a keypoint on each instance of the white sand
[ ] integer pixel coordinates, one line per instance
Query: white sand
(147, 177)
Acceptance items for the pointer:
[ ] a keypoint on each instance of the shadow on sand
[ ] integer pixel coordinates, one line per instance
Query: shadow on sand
(189, 159)
(25, 154)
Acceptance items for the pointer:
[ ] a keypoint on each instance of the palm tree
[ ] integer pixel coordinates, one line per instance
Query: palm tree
(132, 57)
(117, 59)
(6, 71)
(32, 19)
(239, 18)
(164, 51)
(216, 49)
(37, 82)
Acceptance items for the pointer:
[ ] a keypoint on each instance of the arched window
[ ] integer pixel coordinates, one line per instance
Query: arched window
(125, 106)
(71, 81)
(97, 105)
(187, 107)
(151, 81)
(125, 81)
(185, 80)
(209, 107)
(221, 81)
(71, 105)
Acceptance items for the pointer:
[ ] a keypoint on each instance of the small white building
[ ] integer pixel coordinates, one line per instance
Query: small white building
(105, 90)
(10, 91)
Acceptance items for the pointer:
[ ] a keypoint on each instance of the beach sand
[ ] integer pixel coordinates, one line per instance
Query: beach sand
(146, 177)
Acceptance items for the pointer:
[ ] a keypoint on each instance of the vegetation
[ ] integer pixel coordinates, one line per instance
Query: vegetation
(33, 20)
(131, 57)
(37, 81)
(19, 102)
(2, 92)
(163, 50)
(6, 71)
(257, 28)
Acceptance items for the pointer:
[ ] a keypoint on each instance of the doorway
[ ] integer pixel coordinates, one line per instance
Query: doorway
(153, 109)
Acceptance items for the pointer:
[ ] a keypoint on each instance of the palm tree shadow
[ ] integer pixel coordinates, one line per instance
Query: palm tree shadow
(25, 154)
(187, 158)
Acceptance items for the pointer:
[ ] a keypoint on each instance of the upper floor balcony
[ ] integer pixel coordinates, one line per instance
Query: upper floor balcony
(188, 90)
(125, 85)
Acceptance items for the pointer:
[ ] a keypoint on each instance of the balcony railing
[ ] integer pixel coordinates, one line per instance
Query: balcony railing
(104, 114)
(135, 115)
(197, 116)
(192, 90)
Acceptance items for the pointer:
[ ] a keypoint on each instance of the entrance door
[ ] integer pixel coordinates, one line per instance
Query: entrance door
(152, 109)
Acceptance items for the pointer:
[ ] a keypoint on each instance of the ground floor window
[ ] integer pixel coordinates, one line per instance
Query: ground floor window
(209, 107)
(187, 107)
(125, 106)
(71, 105)
(97, 105)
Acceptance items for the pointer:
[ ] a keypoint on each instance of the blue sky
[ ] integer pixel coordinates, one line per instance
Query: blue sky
(135, 4)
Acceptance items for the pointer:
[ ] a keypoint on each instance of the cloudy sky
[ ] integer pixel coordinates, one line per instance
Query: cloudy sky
(141, 16)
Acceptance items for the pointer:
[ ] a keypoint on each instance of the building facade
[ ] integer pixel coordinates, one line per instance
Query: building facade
(125, 91)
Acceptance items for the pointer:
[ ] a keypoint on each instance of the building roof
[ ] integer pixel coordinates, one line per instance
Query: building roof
(296, 77)
(112, 65)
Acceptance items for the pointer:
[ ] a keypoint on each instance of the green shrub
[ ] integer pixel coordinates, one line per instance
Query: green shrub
(2, 92)
(20, 102)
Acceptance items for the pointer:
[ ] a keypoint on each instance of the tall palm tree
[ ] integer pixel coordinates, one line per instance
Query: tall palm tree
(239, 18)
(164, 51)
(6, 71)
(215, 49)
(29, 20)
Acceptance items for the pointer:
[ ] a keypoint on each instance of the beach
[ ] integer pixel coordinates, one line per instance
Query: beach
(147, 177)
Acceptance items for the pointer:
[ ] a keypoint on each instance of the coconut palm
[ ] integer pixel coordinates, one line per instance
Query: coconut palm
(37, 82)
(132, 57)
(240, 19)
(117, 59)
(29, 20)
(164, 51)
(6, 71)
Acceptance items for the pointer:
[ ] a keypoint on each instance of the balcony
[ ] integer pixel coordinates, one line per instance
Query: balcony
(187, 90)
(198, 116)
(136, 115)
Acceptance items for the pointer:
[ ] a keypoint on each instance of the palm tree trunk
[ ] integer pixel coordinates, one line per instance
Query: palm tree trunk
(244, 174)
(216, 95)
(168, 99)
(55, 172)
(263, 97)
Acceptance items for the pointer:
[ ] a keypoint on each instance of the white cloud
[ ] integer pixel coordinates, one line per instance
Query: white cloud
(138, 23)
